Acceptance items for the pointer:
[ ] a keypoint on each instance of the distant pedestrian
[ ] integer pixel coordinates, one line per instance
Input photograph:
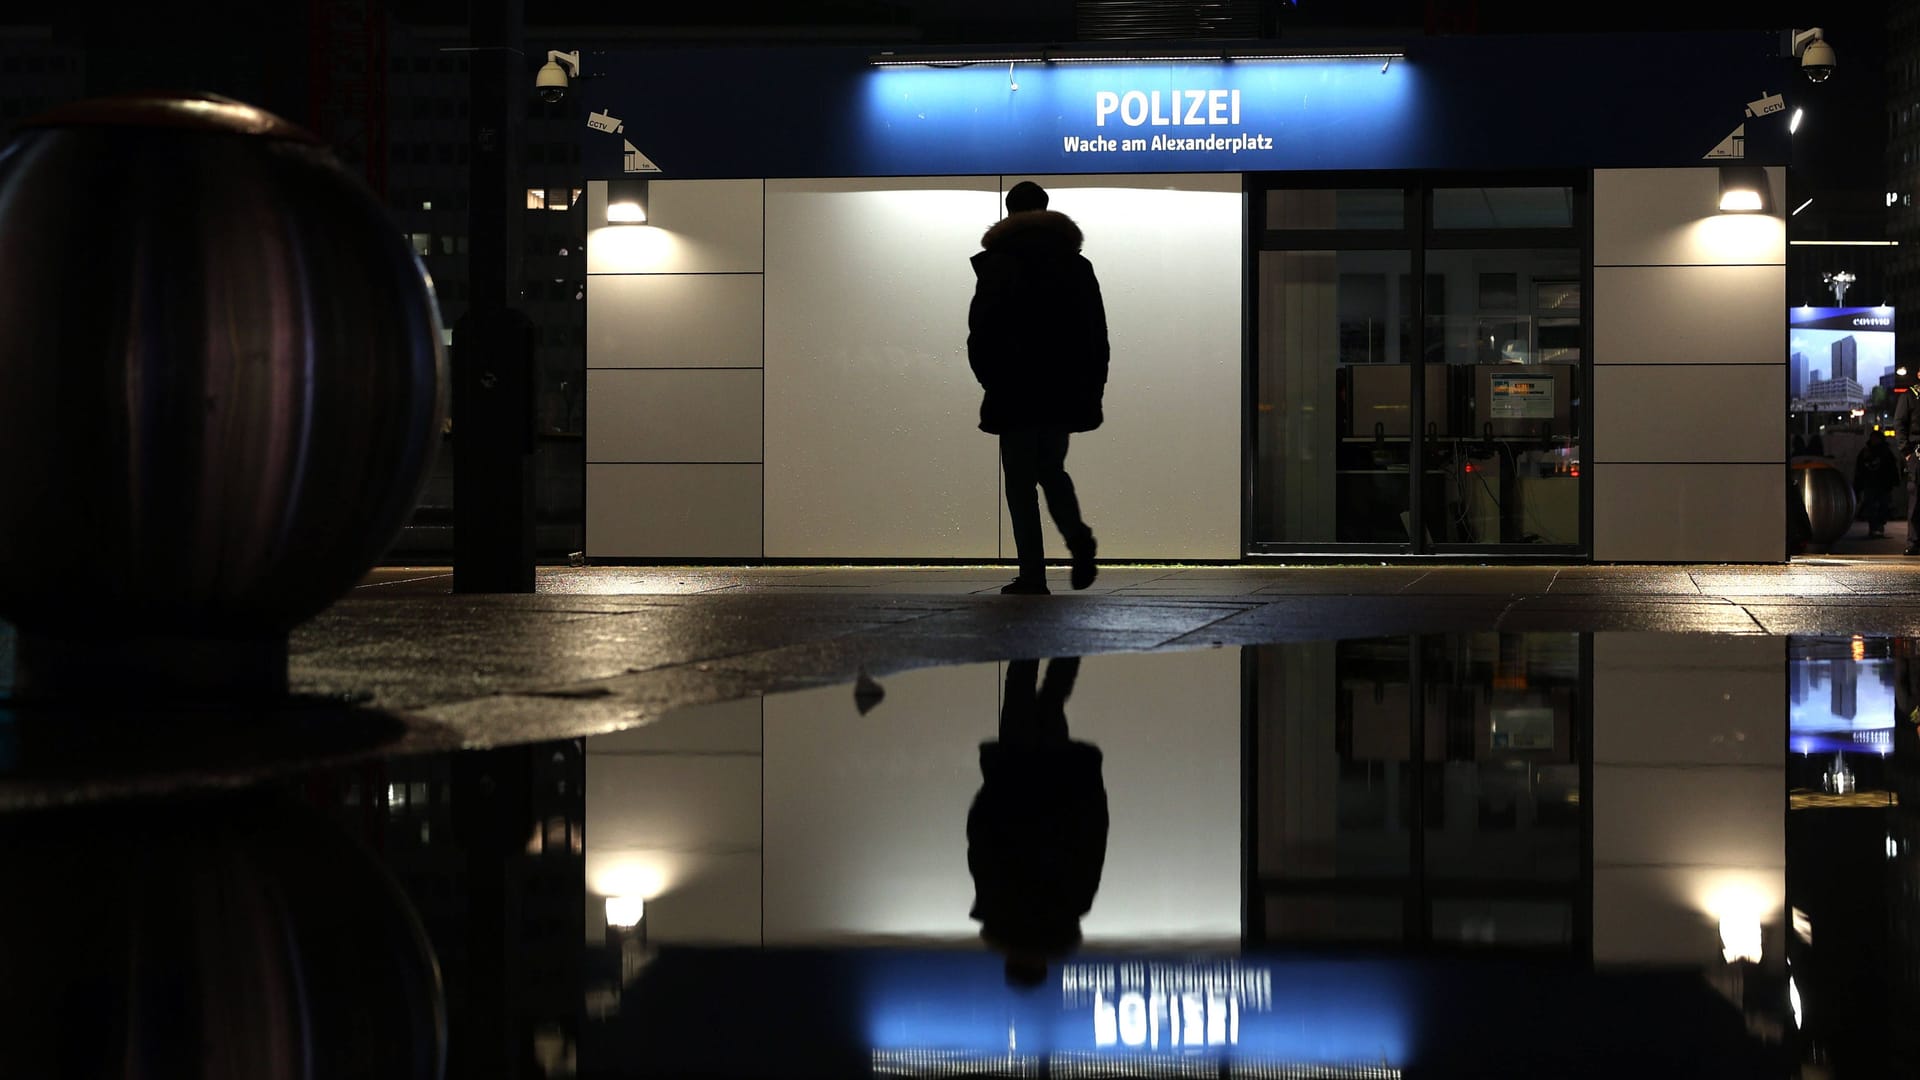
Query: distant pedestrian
(1906, 443)
(1875, 473)
(1037, 341)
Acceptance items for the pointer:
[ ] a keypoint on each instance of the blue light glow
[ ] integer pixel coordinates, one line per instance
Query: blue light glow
(1302, 1011)
(1237, 117)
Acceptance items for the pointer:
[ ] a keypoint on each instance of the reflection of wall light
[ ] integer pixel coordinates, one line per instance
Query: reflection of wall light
(628, 877)
(1739, 938)
(625, 911)
(1741, 906)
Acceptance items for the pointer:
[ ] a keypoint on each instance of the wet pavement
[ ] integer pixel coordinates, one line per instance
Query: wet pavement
(604, 647)
(1222, 821)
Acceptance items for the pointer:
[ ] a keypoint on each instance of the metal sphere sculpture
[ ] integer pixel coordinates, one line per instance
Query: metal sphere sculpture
(221, 385)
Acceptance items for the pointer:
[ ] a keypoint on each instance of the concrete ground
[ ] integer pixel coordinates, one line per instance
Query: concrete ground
(403, 665)
(606, 647)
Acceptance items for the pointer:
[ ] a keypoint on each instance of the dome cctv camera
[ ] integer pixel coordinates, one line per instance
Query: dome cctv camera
(1816, 56)
(1817, 62)
(551, 81)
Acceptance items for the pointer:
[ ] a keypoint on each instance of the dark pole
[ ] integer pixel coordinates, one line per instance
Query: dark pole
(493, 545)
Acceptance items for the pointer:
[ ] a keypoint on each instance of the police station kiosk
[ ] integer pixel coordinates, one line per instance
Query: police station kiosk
(1473, 298)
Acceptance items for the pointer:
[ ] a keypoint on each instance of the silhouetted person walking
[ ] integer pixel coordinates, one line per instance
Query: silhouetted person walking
(1906, 442)
(1037, 341)
(1876, 472)
(1037, 833)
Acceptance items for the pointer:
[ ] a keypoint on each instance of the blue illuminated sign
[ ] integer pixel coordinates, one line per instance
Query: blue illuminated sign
(1176, 117)
(1493, 102)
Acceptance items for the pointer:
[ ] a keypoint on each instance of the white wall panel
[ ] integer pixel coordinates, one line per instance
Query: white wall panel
(1173, 794)
(1689, 513)
(1689, 314)
(673, 320)
(1678, 285)
(720, 727)
(1161, 478)
(693, 227)
(872, 447)
(866, 816)
(1731, 690)
(1735, 814)
(673, 816)
(1667, 217)
(673, 511)
(668, 416)
(1697, 721)
(682, 831)
(1690, 412)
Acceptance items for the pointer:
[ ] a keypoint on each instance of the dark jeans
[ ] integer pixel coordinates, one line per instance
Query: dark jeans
(1039, 459)
(1913, 503)
(1876, 507)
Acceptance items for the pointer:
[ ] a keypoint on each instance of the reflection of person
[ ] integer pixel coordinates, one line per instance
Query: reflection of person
(1875, 472)
(1037, 832)
(1906, 442)
(1037, 341)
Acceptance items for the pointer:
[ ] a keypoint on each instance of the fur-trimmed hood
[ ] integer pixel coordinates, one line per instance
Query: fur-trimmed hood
(1041, 227)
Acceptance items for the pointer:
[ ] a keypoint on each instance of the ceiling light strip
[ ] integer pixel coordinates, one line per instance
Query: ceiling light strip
(965, 59)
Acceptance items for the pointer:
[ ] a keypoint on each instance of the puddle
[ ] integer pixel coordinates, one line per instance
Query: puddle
(1449, 855)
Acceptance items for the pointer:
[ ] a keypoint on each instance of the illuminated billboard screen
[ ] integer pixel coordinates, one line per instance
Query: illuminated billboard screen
(1838, 356)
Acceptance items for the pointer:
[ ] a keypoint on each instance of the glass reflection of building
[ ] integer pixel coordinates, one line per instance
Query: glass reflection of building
(1853, 865)
(489, 846)
(1595, 801)
(1432, 793)
(1424, 790)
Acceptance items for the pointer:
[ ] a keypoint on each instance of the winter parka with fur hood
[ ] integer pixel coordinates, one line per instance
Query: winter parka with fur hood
(1037, 330)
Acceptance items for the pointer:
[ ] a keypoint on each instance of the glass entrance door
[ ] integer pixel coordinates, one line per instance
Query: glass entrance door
(1446, 417)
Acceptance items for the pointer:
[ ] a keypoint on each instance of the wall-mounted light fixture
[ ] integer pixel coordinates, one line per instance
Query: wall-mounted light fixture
(1744, 190)
(626, 202)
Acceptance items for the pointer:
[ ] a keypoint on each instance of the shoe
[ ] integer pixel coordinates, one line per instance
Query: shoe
(1084, 570)
(1912, 549)
(1024, 587)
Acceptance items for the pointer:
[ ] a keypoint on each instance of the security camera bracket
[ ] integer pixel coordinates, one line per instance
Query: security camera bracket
(568, 60)
(1804, 38)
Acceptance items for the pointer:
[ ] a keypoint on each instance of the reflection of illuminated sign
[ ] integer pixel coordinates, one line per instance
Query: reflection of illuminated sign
(931, 1015)
(1156, 1005)
(1840, 705)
